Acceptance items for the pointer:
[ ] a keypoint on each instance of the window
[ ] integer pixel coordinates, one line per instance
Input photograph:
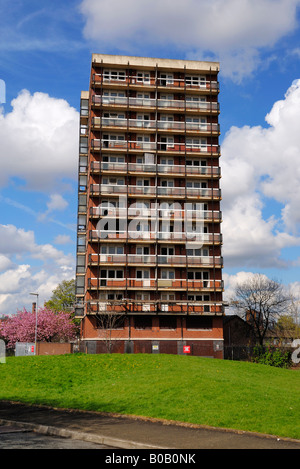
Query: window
(196, 143)
(196, 162)
(114, 97)
(167, 183)
(196, 297)
(143, 95)
(142, 99)
(196, 184)
(143, 322)
(198, 275)
(114, 119)
(198, 123)
(143, 138)
(113, 140)
(143, 182)
(143, 77)
(195, 102)
(112, 249)
(167, 296)
(142, 273)
(83, 145)
(142, 296)
(196, 120)
(167, 97)
(198, 322)
(166, 322)
(166, 79)
(111, 274)
(166, 143)
(84, 107)
(142, 250)
(195, 80)
(115, 75)
(197, 252)
(110, 296)
(113, 181)
(167, 251)
(167, 274)
(114, 159)
(167, 299)
(167, 161)
(144, 204)
(143, 120)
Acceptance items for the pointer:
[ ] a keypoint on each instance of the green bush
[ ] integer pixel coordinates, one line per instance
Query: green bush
(271, 355)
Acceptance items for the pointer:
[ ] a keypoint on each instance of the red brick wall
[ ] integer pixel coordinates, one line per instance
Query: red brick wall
(52, 348)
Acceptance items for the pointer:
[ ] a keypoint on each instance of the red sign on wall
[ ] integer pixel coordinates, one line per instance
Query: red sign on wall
(186, 349)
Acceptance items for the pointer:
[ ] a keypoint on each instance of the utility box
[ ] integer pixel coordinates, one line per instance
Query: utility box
(24, 349)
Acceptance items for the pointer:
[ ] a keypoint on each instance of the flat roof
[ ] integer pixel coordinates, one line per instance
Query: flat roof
(151, 62)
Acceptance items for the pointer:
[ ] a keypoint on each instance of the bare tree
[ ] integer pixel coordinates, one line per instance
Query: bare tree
(260, 301)
(109, 323)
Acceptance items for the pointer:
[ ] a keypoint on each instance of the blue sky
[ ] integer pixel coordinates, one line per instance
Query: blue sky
(45, 54)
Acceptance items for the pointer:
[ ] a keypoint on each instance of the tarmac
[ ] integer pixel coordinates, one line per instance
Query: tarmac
(133, 432)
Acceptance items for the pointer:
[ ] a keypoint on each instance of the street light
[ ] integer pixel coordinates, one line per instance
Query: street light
(36, 317)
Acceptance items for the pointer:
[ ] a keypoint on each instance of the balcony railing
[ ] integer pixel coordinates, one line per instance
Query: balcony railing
(160, 82)
(180, 104)
(155, 212)
(153, 146)
(98, 166)
(153, 259)
(204, 238)
(153, 124)
(152, 283)
(160, 191)
(132, 306)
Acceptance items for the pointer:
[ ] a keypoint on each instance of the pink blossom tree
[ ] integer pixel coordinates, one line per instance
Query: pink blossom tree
(51, 327)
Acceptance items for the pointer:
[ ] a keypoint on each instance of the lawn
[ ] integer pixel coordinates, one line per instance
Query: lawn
(220, 393)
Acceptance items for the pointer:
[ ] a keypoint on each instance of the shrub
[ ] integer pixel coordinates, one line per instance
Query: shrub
(273, 356)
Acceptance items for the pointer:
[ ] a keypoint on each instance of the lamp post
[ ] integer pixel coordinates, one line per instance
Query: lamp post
(36, 318)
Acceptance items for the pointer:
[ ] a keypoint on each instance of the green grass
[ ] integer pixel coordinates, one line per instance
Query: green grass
(220, 393)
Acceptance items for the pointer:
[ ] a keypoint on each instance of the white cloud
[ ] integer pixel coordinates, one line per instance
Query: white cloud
(39, 141)
(232, 30)
(231, 282)
(18, 279)
(62, 239)
(261, 164)
(56, 202)
(5, 263)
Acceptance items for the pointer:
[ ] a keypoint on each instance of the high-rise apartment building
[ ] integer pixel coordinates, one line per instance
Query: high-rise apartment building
(149, 264)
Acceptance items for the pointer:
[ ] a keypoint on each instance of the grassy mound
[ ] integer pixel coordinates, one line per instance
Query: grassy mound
(220, 393)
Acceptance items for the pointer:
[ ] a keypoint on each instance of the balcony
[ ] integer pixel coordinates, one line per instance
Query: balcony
(153, 213)
(151, 104)
(160, 146)
(95, 283)
(154, 307)
(137, 81)
(160, 169)
(140, 124)
(153, 191)
(153, 236)
(160, 260)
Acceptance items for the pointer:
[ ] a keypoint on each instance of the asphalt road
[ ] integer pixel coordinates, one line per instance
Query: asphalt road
(15, 438)
(126, 432)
